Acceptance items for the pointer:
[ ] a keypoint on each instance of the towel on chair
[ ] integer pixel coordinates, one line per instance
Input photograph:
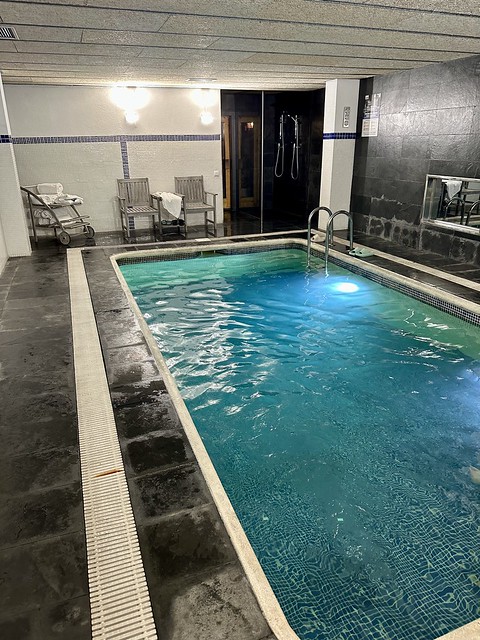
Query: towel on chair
(453, 187)
(171, 202)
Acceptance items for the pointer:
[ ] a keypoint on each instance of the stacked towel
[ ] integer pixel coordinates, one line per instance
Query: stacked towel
(52, 193)
(171, 202)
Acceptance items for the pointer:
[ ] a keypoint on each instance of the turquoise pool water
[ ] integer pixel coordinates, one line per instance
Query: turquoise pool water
(343, 419)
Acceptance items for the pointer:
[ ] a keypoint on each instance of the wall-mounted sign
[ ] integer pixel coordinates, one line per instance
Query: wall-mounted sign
(346, 117)
(371, 115)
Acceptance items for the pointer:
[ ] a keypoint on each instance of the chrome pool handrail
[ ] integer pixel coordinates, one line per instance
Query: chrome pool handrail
(349, 215)
(309, 228)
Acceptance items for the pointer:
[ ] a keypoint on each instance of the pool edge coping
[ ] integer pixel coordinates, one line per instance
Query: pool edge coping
(261, 587)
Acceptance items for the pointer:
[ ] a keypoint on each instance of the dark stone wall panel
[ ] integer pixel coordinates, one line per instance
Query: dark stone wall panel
(429, 123)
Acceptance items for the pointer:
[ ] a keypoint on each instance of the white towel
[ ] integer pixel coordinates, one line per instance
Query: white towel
(67, 198)
(453, 187)
(63, 198)
(50, 188)
(171, 202)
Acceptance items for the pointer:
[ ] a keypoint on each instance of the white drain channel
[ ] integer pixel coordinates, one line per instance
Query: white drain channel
(119, 598)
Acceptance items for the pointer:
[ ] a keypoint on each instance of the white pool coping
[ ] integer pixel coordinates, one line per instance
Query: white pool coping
(261, 587)
(119, 597)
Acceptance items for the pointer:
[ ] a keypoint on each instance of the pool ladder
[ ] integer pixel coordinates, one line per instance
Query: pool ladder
(328, 231)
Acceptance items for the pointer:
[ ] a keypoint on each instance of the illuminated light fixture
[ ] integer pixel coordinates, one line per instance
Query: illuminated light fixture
(346, 287)
(206, 117)
(201, 80)
(131, 117)
(130, 99)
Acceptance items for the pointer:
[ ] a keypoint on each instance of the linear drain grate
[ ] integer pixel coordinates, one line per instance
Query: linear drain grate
(119, 598)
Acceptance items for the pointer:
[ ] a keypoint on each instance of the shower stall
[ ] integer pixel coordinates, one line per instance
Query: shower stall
(272, 151)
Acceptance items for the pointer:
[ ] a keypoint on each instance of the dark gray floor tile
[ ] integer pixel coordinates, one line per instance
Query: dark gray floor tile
(118, 357)
(35, 358)
(21, 335)
(36, 515)
(119, 328)
(132, 394)
(131, 373)
(54, 406)
(169, 491)
(60, 302)
(44, 573)
(19, 437)
(66, 621)
(34, 386)
(39, 470)
(16, 627)
(108, 301)
(145, 418)
(160, 450)
(216, 607)
(36, 317)
(35, 270)
(48, 286)
(184, 544)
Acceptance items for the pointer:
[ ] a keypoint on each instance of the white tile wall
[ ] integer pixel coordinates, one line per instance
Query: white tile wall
(338, 155)
(160, 162)
(87, 170)
(91, 169)
(3, 250)
(14, 239)
(88, 111)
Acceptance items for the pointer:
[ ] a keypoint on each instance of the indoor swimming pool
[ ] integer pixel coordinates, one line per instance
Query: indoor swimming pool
(342, 419)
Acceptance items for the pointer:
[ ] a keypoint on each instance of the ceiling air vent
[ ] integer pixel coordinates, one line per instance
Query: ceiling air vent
(8, 33)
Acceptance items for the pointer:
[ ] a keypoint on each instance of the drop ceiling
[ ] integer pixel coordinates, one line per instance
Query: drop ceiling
(244, 44)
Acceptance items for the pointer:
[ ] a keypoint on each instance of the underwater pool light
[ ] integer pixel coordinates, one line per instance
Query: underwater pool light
(346, 287)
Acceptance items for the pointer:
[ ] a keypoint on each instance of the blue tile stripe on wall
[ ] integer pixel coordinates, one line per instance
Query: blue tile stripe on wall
(189, 137)
(5, 139)
(339, 136)
(126, 168)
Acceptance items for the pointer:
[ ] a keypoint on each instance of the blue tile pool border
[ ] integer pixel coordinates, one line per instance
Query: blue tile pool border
(448, 307)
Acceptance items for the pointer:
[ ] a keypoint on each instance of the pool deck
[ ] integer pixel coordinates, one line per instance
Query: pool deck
(197, 586)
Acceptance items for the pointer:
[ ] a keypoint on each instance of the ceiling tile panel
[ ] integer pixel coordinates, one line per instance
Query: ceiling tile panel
(116, 51)
(189, 54)
(312, 33)
(471, 7)
(313, 48)
(79, 16)
(147, 39)
(55, 34)
(281, 59)
(297, 10)
(246, 43)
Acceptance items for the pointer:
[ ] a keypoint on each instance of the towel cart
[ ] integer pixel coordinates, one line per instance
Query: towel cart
(62, 217)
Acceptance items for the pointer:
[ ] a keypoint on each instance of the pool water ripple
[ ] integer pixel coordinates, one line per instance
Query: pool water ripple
(343, 427)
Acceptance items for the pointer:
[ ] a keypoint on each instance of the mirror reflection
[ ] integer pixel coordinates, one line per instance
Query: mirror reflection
(453, 200)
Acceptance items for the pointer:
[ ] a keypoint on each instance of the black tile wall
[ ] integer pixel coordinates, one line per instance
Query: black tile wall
(429, 123)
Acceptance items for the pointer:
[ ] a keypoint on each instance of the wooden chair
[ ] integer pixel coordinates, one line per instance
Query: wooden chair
(134, 200)
(194, 197)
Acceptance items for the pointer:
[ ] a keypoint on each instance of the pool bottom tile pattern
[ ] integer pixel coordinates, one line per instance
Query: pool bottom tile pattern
(197, 586)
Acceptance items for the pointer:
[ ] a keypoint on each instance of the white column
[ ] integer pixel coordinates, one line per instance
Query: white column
(339, 133)
(12, 214)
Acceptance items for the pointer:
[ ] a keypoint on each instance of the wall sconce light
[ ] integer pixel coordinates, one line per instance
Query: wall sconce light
(131, 117)
(130, 99)
(206, 117)
(205, 98)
